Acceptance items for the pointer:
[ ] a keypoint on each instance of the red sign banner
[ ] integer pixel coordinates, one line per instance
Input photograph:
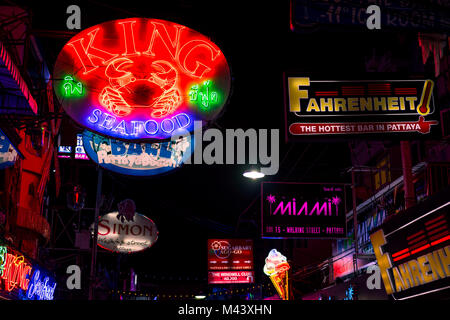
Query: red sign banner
(231, 277)
(230, 254)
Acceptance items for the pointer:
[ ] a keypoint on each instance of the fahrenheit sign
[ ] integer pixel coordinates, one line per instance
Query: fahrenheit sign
(362, 108)
(414, 256)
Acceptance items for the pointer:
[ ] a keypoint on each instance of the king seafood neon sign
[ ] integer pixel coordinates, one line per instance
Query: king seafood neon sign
(141, 78)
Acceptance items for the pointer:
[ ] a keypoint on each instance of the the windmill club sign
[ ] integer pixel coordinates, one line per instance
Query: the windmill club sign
(401, 109)
(297, 210)
(141, 78)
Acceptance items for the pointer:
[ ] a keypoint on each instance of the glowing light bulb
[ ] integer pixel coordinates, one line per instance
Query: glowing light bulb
(253, 174)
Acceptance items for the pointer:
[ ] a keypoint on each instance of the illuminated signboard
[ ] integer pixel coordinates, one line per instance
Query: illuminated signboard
(64, 152)
(277, 268)
(230, 254)
(20, 280)
(141, 78)
(395, 15)
(413, 250)
(138, 159)
(226, 277)
(399, 109)
(126, 236)
(65, 149)
(297, 210)
(80, 153)
(8, 155)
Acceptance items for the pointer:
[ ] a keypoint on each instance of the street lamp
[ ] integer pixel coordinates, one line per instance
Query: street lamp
(253, 174)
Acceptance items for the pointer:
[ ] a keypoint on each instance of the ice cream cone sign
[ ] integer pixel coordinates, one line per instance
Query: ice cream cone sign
(277, 269)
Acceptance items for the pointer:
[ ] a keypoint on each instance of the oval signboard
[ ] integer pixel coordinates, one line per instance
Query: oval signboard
(137, 159)
(125, 236)
(141, 78)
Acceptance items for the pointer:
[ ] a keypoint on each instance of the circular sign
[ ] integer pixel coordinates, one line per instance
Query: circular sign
(121, 235)
(137, 159)
(141, 78)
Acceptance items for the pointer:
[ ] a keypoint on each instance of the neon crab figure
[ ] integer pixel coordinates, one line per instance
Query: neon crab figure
(135, 83)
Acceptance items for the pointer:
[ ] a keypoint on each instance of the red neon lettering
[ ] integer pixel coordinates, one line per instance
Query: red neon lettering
(128, 34)
(161, 31)
(86, 53)
(195, 47)
(15, 272)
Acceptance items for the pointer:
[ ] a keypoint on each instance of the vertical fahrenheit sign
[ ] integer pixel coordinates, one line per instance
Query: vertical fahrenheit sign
(413, 250)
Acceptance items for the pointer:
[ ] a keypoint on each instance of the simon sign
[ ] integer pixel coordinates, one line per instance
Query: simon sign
(367, 108)
(141, 78)
(126, 236)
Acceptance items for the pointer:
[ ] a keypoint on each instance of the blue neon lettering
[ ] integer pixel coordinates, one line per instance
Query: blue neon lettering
(164, 129)
(96, 113)
(121, 128)
(40, 289)
(187, 120)
(148, 129)
(135, 127)
(108, 120)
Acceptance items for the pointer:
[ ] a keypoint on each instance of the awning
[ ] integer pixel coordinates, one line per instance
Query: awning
(15, 97)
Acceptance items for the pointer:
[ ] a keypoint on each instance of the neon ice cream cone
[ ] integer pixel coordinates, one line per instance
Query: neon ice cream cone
(278, 283)
(276, 268)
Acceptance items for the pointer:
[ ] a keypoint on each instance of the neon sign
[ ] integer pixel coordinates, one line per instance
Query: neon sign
(16, 271)
(40, 289)
(204, 95)
(141, 78)
(72, 88)
(277, 267)
(138, 159)
(414, 254)
(401, 108)
(296, 210)
(230, 254)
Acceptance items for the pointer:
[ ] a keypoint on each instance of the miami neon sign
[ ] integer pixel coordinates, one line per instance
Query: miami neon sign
(141, 78)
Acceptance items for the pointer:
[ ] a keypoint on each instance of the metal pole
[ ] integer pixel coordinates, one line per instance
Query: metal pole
(94, 244)
(408, 186)
(355, 223)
